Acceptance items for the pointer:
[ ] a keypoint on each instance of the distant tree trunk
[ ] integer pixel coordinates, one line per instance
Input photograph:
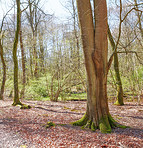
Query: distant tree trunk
(41, 54)
(35, 60)
(119, 100)
(76, 35)
(23, 66)
(4, 71)
(41, 59)
(94, 40)
(32, 18)
(16, 91)
(139, 19)
(31, 63)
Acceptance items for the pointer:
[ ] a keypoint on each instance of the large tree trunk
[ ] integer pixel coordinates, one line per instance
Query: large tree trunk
(16, 91)
(94, 40)
(119, 100)
(4, 71)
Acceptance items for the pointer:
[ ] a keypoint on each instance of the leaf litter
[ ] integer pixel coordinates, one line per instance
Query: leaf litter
(24, 128)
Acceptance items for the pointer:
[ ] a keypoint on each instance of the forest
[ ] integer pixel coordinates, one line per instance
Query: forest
(74, 80)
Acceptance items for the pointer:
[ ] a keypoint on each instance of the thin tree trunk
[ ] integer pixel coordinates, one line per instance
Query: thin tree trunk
(139, 19)
(119, 100)
(33, 25)
(76, 35)
(15, 60)
(35, 61)
(41, 55)
(31, 63)
(4, 72)
(23, 66)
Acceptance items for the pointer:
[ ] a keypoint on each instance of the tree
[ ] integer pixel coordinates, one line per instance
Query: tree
(94, 40)
(2, 58)
(23, 65)
(4, 70)
(139, 15)
(16, 91)
(34, 20)
(119, 100)
(16, 100)
(3, 63)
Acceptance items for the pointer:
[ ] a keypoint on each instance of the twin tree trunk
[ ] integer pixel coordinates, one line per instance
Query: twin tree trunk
(94, 40)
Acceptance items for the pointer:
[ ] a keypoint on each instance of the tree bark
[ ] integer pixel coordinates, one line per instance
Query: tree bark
(139, 19)
(41, 54)
(31, 62)
(32, 18)
(94, 40)
(76, 35)
(23, 66)
(4, 72)
(119, 100)
(16, 90)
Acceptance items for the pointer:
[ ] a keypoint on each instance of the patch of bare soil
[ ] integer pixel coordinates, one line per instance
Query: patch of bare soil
(23, 128)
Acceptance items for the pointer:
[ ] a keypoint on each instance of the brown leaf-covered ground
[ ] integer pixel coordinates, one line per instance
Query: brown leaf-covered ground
(23, 128)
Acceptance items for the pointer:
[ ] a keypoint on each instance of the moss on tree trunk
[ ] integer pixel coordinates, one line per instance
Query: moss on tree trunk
(119, 100)
(23, 66)
(4, 71)
(16, 100)
(16, 91)
(95, 47)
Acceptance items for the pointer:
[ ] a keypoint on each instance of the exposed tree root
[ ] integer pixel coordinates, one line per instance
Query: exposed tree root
(105, 124)
(118, 103)
(119, 99)
(17, 103)
(22, 106)
(81, 122)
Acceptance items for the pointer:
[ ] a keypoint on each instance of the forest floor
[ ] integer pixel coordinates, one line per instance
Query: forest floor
(21, 128)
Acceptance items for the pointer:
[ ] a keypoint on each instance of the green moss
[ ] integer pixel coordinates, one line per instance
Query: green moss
(24, 106)
(83, 127)
(114, 123)
(61, 124)
(49, 124)
(104, 125)
(93, 127)
(74, 110)
(66, 108)
(118, 103)
(81, 122)
(88, 124)
(17, 103)
(111, 121)
(121, 126)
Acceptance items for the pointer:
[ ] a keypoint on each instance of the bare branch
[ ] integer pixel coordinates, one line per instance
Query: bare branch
(4, 18)
(136, 53)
